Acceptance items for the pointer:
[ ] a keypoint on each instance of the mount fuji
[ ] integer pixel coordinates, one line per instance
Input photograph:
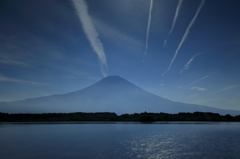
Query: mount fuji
(111, 94)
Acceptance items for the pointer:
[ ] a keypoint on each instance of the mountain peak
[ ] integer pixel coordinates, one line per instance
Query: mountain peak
(113, 79)
(112, 76)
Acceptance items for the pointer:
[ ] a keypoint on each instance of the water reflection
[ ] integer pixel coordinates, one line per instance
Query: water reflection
(128, 141)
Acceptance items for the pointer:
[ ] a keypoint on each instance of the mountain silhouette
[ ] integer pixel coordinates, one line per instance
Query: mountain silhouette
(111, 94)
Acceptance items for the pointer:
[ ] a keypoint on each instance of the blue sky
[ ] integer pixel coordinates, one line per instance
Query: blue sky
(58, 46)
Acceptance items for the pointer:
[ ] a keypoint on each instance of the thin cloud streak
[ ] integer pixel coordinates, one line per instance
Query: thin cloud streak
(187, 65)
(198, 88)
(198, 80)
(226, 88)
(174, 21)
(201, 101)
(192, 96)
(91, 33)
(14, 63)
(148, 26)
(185, 36)
(112, 33)
(205, 102)
(7, 79)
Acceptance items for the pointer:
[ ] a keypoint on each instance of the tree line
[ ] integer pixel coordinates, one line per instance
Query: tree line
(109, 116)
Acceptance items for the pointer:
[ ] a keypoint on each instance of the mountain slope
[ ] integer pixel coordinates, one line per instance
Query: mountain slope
(111, 94)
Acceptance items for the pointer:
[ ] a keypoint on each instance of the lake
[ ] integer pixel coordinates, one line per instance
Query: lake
(119, 140)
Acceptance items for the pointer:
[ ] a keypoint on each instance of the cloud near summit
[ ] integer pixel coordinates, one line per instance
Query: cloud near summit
(91, 33)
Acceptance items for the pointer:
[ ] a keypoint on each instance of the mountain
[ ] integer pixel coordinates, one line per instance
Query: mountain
(111, 94)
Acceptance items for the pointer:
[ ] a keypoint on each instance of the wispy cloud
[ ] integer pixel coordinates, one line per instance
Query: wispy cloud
(226, 88)
(7, 79)
(187, 65)
(14, 62)
(185, 36)
(198, 88)
(198, 80)
(148, 26)
(91, 33)
(207, 100)
(174, 21)
(192, 96)
(119, 37)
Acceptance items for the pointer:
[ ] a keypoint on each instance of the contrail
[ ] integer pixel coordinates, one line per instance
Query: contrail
(148, 26)
(91, 33)
(227, 88)
(198, 88)
(185, 35)
(198, 80)
(174, 20)
(7, 79)
(187, 65)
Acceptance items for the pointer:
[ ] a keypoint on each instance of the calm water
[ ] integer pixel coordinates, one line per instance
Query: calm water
(119, 140)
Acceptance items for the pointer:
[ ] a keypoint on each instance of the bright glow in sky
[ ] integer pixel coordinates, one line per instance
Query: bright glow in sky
(59, 46)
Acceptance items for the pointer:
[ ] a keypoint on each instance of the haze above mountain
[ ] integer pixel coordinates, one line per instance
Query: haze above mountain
(111, 94)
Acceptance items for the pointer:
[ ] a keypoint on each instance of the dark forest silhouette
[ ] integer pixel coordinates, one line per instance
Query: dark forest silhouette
(108, 116)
